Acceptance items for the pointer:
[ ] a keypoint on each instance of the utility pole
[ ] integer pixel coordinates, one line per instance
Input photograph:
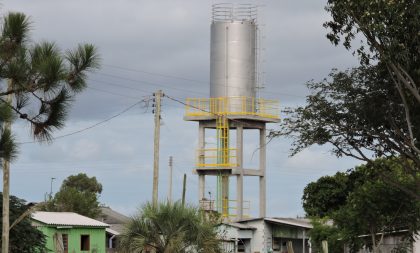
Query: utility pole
(6, 186)
(157, 99)
(184, 189)
(170, 179)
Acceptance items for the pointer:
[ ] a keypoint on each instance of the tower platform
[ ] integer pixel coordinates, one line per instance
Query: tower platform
(234, 108)
(251, 119)
(226, 159)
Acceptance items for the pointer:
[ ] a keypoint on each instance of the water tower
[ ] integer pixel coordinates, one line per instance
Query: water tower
(232, 109)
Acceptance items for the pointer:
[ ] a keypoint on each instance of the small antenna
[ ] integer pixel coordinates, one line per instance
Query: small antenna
(51, 190)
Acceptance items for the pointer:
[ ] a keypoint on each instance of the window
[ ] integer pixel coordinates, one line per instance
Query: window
(65, 242)
(84, 243)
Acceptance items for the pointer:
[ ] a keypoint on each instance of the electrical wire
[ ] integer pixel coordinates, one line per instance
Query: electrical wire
(155, 74)
(120, 85)
(112, 93)
(92, 126)
(150, 83)
(182, 78)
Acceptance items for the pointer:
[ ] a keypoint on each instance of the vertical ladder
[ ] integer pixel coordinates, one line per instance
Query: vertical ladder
(223, 160)
(222, 128)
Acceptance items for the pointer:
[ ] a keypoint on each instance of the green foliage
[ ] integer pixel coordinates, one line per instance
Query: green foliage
(368, 204)
(40, 84)
(8, 148)
(43, 80)
(328, 194)
(352, 110)
(323, 230)
(81, 182)
(170, 228)
(359, 114)
(390, 31)
(79, 194)
(372, 110)
(81, 59)
(389, 27)
(16, 29)
(24, 238)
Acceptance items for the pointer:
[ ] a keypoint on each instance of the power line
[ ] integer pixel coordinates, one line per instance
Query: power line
(185, 79)
(155, 74)
(92, 126)
(150, 83)
(120, 85)
(112, 93)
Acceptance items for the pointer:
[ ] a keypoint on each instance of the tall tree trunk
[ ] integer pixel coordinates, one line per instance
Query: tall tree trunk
(376, 245)
(6, 189)
(6, 198)
(374, 248)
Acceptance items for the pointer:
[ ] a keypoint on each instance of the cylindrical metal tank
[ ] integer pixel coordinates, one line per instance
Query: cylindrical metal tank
(233, 51)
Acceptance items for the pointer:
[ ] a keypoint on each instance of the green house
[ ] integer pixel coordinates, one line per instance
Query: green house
(71, 232)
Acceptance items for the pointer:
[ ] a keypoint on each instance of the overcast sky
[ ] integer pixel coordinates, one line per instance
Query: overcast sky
(165, 44)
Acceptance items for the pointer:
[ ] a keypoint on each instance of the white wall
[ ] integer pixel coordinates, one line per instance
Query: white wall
(261, 240)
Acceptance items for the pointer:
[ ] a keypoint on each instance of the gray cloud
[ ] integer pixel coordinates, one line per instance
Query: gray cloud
(169, 38)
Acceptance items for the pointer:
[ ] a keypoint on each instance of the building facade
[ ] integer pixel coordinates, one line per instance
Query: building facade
(266, 235)
(68, 232)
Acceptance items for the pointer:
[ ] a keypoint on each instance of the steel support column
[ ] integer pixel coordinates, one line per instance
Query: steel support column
(240, 177)
(201, 146)
(262, 168)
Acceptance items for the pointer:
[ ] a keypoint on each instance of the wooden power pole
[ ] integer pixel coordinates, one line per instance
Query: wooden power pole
(157, 98)
(171, 164)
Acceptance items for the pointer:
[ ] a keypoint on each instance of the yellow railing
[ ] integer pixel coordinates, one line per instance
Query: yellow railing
(210, 157)
(232, 106)
(228, 208)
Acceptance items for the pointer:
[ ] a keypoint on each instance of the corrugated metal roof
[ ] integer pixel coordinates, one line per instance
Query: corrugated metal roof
(239, 225)
(111, 231)
(66, 219)
(111, 216)
(305, 223)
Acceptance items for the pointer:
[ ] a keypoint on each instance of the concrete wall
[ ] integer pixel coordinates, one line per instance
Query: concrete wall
(226, 231)
(266, 232)
(268, 235)
(262, 238)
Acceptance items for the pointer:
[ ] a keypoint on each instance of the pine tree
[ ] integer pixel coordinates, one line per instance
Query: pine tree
(38, 84)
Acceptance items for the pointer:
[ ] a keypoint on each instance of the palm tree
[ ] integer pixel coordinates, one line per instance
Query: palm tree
(41, 83)
(170, 228)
